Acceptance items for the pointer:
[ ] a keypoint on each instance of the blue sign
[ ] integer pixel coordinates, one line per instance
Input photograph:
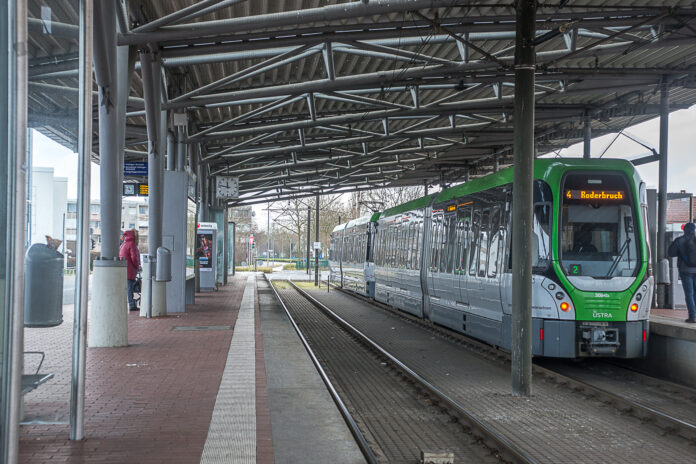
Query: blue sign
(132, 168)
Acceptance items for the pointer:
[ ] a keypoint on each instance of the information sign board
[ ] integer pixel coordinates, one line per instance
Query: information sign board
(134, 169)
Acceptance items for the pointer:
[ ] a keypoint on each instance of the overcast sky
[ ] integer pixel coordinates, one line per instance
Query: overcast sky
(681, 171)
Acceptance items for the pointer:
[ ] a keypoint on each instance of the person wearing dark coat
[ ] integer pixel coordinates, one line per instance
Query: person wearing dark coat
(683, 248)
(129, 251)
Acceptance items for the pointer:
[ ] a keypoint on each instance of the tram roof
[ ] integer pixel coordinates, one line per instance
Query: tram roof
(300, 98)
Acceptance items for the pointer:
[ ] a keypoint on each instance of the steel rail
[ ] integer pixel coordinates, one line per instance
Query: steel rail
(352, 425)
(486, 434)
(662, 420)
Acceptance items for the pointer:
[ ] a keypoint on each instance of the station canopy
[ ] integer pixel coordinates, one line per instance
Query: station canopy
(313, 96)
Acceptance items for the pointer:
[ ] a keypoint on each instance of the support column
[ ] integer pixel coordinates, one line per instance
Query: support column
(316, 239)
(662, 197)
(180, 149)
(522, 200)
(108, 322)
(587, 136)
(154, 296)
(226, 245)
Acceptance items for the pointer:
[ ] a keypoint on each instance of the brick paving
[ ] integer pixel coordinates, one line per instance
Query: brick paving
(149, 402)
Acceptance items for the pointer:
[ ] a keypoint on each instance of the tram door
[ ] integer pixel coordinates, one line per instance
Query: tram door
(484, 277)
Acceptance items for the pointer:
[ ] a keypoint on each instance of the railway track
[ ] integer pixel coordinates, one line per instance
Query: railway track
(395, 415)
(669, 406)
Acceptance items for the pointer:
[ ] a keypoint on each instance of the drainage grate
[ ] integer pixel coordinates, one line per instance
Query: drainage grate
(202, 327)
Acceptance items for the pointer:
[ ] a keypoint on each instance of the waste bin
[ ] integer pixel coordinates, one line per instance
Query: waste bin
(163, 271)
(43, 287)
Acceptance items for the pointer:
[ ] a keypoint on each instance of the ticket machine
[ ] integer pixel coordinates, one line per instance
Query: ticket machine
(206, 252)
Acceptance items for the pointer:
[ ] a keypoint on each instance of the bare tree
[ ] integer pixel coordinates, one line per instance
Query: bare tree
(371, 201)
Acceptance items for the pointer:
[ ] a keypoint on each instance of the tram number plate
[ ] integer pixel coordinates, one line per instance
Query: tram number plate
(575, 269)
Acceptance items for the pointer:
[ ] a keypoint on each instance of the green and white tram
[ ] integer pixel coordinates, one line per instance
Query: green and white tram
(447, 257)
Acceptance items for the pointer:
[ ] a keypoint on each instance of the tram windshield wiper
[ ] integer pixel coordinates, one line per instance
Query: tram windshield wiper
(614, 265)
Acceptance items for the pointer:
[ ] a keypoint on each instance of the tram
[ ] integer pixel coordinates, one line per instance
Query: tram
(447, 257)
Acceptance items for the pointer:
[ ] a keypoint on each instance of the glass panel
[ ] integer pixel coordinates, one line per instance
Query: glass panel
(494, 247)
(483, 242)
(597, 227)
(473, 255)
(541, 238)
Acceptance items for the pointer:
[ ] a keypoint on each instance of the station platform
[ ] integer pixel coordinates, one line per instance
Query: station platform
(229, 381)
(226, 381)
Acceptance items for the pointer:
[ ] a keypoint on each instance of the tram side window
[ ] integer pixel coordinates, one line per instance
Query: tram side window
(464, 223)
(541, 239)
(435, 243)
(495, 247)
(473, 244)
(483, 244)
(451, 242)
(417, 246)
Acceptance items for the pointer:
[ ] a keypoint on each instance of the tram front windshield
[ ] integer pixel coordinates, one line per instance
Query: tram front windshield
(598, 227)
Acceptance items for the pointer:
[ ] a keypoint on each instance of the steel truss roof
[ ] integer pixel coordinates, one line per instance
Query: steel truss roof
(342, 96)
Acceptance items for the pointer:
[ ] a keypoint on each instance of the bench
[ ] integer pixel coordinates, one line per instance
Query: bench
(33, 381)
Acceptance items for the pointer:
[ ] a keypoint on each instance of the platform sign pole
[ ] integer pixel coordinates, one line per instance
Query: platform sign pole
(522, 199)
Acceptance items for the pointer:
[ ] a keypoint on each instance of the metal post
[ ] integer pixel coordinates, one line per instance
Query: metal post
(225, 246)
(588, 136)
(30, 157)
(309, 231)
(84, 150)
(662, 193)
(172, 152)
(522, 200)
(14, 96)
(316, 239)
(268, 234)
(180, 149)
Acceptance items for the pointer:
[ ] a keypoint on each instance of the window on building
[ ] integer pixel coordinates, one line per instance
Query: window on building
(142, 209)
(94, 209)
(72, 207)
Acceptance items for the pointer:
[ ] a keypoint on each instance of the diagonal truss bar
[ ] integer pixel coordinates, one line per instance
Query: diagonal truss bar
(264, 109)
(184, 13)
(267, 65)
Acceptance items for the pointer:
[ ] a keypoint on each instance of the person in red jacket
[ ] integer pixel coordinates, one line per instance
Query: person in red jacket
(129, 251)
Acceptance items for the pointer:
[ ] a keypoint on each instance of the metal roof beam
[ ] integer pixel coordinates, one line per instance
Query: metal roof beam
(282, 19)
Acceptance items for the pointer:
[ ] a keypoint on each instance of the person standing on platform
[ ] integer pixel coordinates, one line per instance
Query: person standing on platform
(684, 249)
(129, 251)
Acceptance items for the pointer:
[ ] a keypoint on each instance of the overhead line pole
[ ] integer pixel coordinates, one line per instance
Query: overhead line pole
(316, 239)
(522, 200)
(309, 232)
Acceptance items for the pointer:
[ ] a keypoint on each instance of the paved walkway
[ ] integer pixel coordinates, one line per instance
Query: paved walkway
(149, 402)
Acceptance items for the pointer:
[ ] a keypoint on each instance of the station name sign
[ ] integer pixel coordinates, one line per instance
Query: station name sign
(595, 195)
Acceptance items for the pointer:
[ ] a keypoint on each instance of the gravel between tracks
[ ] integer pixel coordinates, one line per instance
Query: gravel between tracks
(397, 420)
(554, 425)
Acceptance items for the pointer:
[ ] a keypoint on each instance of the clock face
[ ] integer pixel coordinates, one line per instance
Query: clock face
(129, 189)
(227, 187)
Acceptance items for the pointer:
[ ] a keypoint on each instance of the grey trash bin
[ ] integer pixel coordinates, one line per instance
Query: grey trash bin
(163, 271)
(43, 287)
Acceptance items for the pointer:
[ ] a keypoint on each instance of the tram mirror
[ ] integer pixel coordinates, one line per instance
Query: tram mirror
(628, 224)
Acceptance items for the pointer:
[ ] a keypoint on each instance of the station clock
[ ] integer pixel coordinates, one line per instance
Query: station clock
(226, 187)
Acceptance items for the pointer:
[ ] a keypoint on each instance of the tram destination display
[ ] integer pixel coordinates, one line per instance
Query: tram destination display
(596, 195)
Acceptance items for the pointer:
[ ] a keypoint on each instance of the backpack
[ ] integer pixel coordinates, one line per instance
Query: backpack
(689, 251)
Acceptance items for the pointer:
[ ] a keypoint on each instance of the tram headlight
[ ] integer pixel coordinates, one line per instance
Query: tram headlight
(559, 295)
(565, 306)
(634, 307)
